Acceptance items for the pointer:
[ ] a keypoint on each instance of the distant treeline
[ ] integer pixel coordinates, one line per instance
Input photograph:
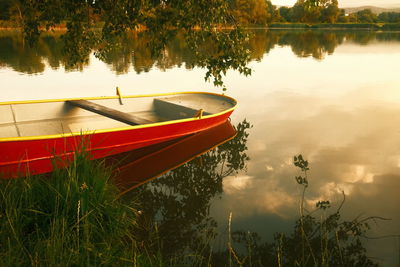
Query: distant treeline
(260, 12)
(255, 12)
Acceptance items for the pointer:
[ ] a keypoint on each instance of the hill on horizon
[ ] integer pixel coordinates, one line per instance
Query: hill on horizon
(374, 9)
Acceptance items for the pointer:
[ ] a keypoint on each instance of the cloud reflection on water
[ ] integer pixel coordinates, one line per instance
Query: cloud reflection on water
(351, 148)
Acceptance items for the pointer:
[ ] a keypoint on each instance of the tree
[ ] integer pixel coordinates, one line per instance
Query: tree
(331, 12)
(274, 14)
(4, 9)
(342, 17)
(285, 13)
(313, 11)
(248, 12)
(366, 16)
(161, 18)
(391, 17)
(297, 12)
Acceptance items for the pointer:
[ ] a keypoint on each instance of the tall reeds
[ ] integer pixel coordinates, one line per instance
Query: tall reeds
(71, 217)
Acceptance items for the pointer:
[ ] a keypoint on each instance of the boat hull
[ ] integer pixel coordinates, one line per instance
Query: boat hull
(20, 158)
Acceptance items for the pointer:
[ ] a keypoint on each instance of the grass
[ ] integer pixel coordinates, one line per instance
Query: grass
(71, 217)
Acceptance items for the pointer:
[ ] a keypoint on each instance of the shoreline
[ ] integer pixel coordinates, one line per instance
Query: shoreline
(337, 26)
(8, 25)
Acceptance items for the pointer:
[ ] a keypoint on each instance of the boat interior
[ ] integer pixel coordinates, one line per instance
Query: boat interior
(75, 116)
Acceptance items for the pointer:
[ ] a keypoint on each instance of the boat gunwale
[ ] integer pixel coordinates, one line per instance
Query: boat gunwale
(110, 130)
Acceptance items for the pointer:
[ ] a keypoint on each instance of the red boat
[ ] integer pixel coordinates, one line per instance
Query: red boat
(36, 134)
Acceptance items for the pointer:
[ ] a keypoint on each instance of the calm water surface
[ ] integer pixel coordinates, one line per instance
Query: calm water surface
(332, 96)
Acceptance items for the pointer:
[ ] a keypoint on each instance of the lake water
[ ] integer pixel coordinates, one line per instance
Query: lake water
(333, 97)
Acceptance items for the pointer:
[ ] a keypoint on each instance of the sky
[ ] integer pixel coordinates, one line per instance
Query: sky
(349, 3)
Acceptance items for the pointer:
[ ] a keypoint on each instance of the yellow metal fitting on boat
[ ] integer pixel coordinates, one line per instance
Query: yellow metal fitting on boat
(199, 114)
(120, 96)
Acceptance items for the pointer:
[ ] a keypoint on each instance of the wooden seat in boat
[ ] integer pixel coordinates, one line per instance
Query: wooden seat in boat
(109, 112)
(173, 110)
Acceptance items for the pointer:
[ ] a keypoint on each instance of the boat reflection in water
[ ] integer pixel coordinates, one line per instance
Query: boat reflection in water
(175, 208)
(137, 167)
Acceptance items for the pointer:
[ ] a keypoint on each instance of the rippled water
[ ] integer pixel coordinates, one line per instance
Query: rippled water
(333, 97)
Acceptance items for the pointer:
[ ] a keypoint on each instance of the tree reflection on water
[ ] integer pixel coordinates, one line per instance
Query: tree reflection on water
(175, 219)
(177, 204)
(136, 50)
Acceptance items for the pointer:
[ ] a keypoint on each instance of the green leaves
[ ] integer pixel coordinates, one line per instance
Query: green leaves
(220, 50)
(323, 204)
(302, 180)
(202, 22)
(298, 161)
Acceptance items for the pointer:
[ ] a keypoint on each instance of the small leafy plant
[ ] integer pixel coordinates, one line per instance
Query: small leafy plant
(326, 240)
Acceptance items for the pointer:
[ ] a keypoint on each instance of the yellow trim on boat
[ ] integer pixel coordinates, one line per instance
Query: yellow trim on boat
(109, 130)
